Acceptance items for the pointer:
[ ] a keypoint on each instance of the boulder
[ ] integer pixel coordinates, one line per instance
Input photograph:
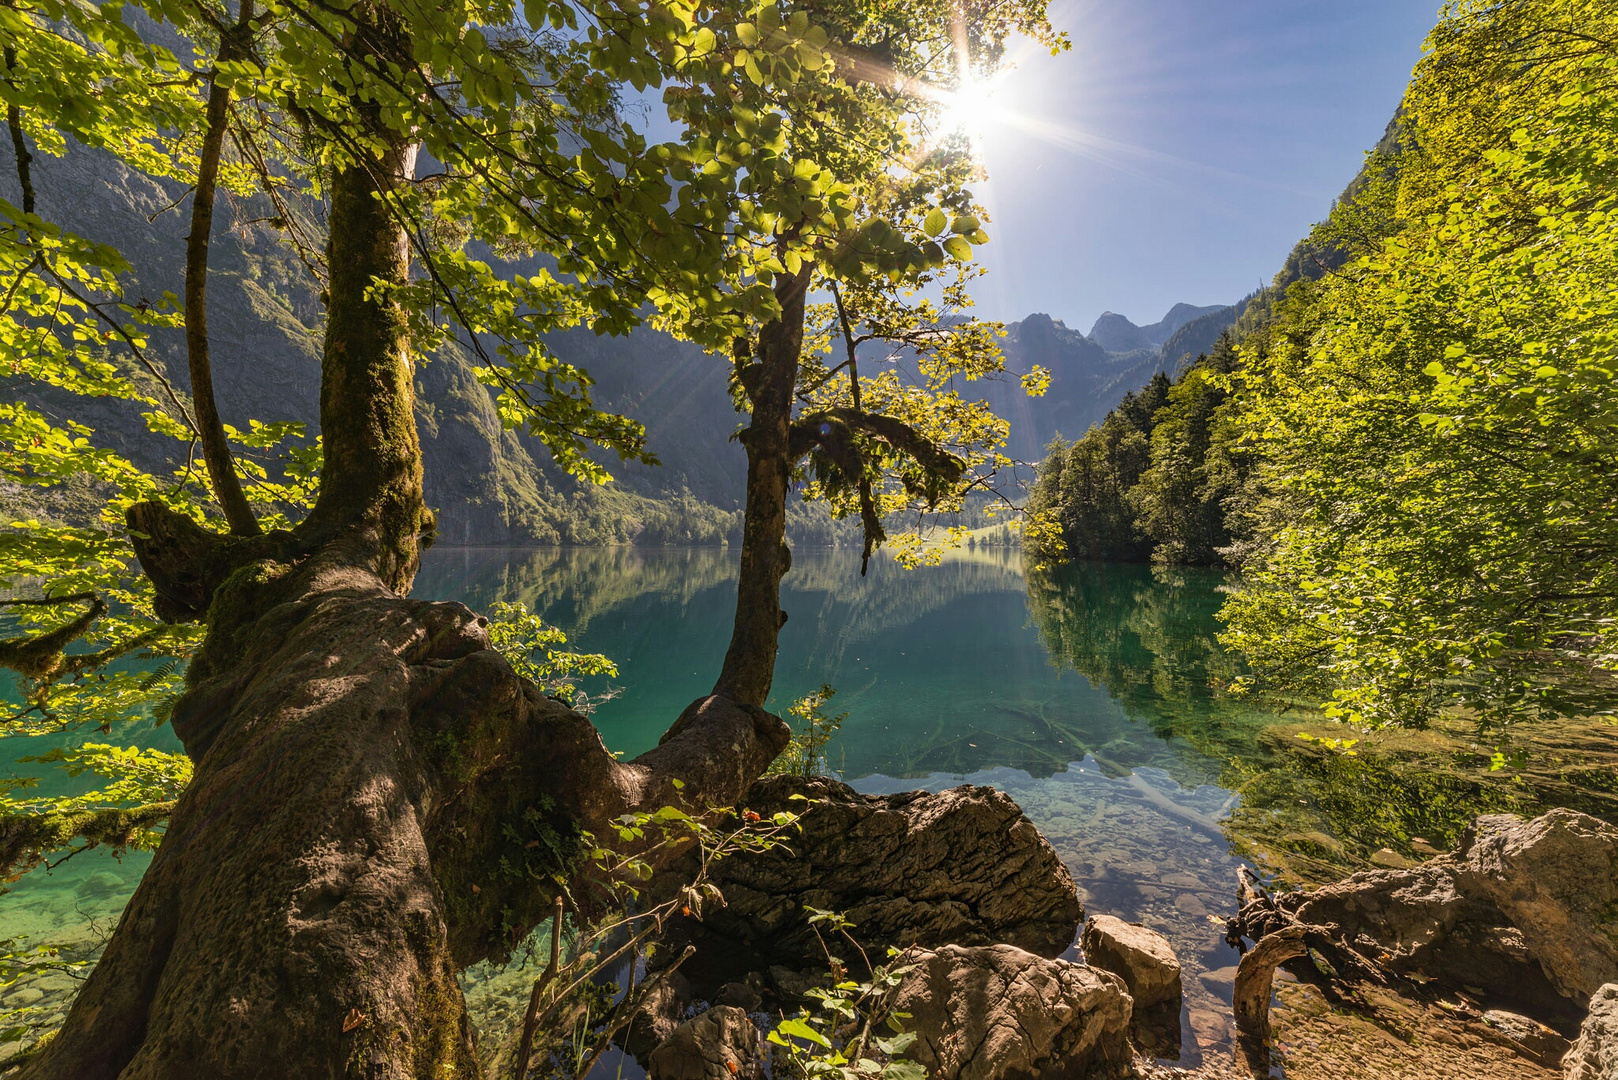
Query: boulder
(1525, 910)
(961, 867)
(1595, 1055)
(1528, 1036)
(1143, 958)
(658, 1015)
(1002, 1013)
(720, 1044)
(1556, 879)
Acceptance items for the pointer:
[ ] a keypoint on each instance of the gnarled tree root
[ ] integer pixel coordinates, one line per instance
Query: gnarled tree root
(379, 801)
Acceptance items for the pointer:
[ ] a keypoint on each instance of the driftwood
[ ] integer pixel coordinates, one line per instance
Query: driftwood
(1337, 962)
(1254, 976)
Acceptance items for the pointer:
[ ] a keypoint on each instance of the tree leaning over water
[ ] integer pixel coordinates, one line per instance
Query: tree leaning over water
(378, 799)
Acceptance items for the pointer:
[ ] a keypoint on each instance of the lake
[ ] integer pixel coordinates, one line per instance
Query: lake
(1087, 692)
(1083, 694)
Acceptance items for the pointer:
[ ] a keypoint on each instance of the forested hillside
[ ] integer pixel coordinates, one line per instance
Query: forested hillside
(490, 485)
(1408, 443)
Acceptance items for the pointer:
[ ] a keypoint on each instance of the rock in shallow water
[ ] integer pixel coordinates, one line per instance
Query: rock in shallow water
(1000, 1013)
(1143, 958)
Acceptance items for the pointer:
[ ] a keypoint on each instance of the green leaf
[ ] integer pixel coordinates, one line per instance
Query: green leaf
(798, 1029)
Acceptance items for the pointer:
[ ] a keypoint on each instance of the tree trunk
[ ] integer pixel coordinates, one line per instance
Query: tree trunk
(378, 800)
(371, 475)
(227, 487)
(749, 665)
(369, 779)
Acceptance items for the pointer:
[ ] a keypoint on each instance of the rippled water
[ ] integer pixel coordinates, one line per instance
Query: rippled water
(1085, 692)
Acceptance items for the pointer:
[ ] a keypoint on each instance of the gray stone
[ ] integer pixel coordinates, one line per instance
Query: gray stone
(1219, 981)
(741, 995)
(1001, 1013)
(961, 867)
(1595, 1055)
(658, 1016)
(1521, 908)
(1528, 1036)
(720, 1044)
(101, 884)
(1143, 958)
(1389, 859)
(1556, 879)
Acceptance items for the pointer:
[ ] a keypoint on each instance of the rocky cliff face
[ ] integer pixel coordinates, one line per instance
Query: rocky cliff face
(487, 485)
(1091, 373)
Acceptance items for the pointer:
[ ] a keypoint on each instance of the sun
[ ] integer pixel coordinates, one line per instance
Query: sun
(968, 111)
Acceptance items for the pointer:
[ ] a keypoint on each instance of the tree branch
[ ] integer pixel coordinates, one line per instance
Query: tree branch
(227, 487)
(14, 123)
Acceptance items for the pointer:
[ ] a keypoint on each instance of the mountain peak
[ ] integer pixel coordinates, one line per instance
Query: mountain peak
(1115, 333)
(1178, 316)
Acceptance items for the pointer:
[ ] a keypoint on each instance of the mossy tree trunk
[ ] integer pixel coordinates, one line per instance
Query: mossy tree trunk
(370, 776)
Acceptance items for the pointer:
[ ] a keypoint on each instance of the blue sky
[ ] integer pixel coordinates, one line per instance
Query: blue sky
(1181, 147)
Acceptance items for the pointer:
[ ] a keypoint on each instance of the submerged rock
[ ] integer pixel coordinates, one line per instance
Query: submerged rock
(720, 1044)
(1523, 910)
(658, 1016)
(1595, 1055)
(1143, 958)
(960, 867)
(1001, 1013)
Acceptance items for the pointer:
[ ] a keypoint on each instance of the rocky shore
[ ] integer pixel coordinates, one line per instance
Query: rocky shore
(1478, 963)
(1495, 961)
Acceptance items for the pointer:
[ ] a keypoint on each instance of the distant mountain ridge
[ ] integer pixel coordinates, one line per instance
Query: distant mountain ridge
(488, 485)
(1090, 373)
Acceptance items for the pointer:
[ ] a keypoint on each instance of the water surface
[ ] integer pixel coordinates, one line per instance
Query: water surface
(1083, 693)
(1088, 692)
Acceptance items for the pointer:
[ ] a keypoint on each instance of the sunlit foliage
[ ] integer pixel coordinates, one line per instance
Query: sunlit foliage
(1439, 419)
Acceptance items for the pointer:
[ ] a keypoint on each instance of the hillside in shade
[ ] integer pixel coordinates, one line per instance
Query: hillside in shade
(489, 485)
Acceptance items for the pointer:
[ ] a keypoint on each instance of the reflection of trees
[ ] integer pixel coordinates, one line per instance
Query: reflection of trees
(1149, 638)
(1308, 812)
(573, 586)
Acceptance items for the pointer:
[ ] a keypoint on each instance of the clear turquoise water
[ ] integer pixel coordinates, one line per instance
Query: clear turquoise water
(1084, 693)
(1084, 696)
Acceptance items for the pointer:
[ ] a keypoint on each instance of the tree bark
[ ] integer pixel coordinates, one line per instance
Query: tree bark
(378, 799)
(370, 479)
(749, 666)
(227, 486)
(369, 778)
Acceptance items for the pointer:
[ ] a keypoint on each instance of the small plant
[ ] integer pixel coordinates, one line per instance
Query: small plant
(535, 651)
(805, 754)
(570, 1021)
(19, 960)
(858, 1035)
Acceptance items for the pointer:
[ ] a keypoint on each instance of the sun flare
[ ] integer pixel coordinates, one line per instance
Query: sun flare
(970, 111)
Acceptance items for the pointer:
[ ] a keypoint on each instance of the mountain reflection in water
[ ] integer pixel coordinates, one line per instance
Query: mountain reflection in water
(1086, 692)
